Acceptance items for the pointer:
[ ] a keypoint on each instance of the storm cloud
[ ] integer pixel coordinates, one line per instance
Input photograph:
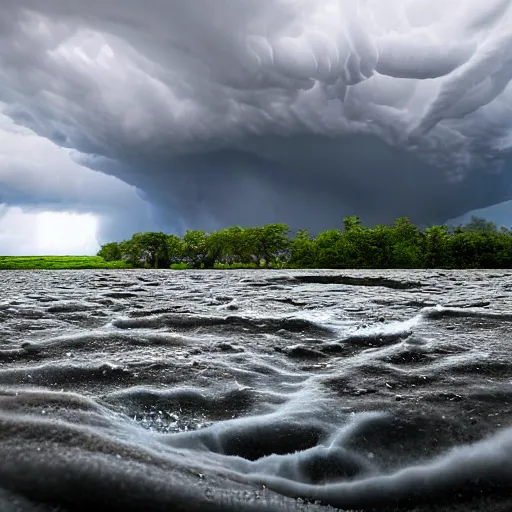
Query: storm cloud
(37, 176)
(250, 111)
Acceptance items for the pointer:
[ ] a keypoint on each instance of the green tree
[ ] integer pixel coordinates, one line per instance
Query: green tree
(331, 252)
(268, 243)
(303, 250)
(219, 247)
(110, 252)
(407, 241)
(436, 247)
(464, 250)
(349, 223)
(380, 247)
(175, 248)
(131, 252)
(195, 248)
(238, 240)
(150, 249)
(480, 225)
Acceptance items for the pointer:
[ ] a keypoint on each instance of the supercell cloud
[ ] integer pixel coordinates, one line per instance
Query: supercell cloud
(249, 111)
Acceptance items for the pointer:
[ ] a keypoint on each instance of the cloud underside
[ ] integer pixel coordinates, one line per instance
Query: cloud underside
(251, 111)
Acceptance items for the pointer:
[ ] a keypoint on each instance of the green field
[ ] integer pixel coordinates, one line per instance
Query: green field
(58, 263)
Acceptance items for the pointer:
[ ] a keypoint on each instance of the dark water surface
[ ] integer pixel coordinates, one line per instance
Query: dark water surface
(261, 390)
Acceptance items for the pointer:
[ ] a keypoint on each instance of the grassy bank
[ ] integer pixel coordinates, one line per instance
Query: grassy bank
(58, 263)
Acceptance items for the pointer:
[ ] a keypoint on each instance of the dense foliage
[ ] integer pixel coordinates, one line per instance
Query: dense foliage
(479, 244)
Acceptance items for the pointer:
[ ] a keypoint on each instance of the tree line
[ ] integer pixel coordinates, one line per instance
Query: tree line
(479, 244)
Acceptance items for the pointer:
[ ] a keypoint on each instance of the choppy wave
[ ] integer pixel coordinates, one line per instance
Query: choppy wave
(313, 395)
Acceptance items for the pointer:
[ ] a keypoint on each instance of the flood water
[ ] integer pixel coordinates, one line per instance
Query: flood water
(255, 390)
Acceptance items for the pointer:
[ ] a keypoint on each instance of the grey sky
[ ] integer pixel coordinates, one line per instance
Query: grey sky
(38, 176)
(249, 111)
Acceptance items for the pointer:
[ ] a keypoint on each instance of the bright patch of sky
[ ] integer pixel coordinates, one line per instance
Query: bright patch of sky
(49, 204)
(27, 233)
(66, 233)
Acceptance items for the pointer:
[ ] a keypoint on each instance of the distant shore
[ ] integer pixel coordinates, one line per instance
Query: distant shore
(59, 263)
(477, 245)
(402, 245)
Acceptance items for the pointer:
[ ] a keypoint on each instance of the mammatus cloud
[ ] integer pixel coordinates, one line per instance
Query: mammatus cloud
(256, 110)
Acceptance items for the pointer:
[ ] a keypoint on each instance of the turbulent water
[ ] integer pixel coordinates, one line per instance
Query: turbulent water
(261, 390)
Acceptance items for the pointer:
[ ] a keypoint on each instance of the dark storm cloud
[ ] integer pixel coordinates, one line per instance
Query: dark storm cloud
(36, 176)
(250, 111)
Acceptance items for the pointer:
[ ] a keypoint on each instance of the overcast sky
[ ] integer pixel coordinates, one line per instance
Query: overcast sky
(86, 207)
(168, 114)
